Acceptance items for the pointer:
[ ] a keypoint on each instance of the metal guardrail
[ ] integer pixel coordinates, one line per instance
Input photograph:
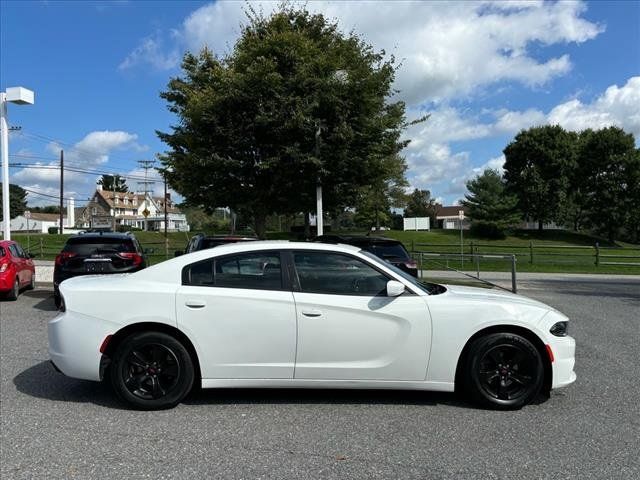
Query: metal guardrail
(474, 258)
(536, 253)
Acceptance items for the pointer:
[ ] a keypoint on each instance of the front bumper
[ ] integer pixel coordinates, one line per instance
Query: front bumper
(74, 344)
(564, 359)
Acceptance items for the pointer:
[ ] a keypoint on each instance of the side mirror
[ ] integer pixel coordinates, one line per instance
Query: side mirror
(394, 288)
(177, 253)
(31, 255)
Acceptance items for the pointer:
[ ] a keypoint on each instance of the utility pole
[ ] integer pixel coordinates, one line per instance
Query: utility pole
(166, 215)
(61, 191)
(113, 187)
(319, 223)
(147, 165)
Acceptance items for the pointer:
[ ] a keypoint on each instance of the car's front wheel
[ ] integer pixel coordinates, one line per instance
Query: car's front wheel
(504, 370)
(151, 370)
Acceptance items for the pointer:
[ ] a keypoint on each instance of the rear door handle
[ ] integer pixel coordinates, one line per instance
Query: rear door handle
(195, 303)
(312, 313)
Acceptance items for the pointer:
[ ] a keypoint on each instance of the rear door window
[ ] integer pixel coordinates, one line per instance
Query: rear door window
(254, 270)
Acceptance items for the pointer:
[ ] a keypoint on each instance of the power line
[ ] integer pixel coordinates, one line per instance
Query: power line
(74, 147)
(73, 169)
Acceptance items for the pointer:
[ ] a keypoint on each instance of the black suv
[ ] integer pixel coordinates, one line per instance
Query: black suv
(202, 242)
(392, 251)
(97, 253)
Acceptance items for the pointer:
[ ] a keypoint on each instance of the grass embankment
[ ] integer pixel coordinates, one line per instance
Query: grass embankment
(553, 250)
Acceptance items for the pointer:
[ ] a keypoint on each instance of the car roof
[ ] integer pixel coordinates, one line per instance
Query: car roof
(356, 239)
(170, 268)
(123, 236)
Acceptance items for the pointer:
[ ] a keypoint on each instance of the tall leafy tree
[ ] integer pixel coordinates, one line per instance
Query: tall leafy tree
(538, 166)
(108, 182)
(295, 103)
(375, 201)
(491, 208)
(419, 203)
(611, 162)
(17, 200)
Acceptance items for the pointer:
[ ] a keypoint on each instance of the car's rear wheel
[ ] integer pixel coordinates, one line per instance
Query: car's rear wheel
(504, 371)
(32, 283)
(151, 370)
(15, 291)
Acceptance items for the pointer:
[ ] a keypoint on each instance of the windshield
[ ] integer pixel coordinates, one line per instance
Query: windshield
(429, 288)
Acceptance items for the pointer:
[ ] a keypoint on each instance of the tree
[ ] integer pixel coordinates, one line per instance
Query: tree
(491, 208)
(538, 165)
(375, 201)
(611, 162)
(107, 182)
(294, 103)
(632, 224)
(17, 200)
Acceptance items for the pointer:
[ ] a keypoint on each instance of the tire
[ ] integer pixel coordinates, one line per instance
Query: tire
(504, 371)
(151, 371)
(57, 300)
(32, 284)
(15, 291)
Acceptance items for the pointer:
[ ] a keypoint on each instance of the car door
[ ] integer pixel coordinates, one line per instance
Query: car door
(26, 265)
(349, 329)
(239, 310)
(18, 263)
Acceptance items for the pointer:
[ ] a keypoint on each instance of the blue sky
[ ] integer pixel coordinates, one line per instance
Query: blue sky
(484, 70)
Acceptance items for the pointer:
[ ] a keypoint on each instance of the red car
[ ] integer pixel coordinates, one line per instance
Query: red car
(16, 269)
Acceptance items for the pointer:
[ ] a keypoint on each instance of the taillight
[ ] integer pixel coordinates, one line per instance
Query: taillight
(135, 257)
(3, 267)
(63, 257)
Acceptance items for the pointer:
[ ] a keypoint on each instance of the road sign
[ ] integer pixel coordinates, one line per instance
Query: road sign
(146, 212)
(27, 214)
(461, 214)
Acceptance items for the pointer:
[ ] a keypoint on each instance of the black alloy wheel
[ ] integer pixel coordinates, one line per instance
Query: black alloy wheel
(152, 370)
(504, 370)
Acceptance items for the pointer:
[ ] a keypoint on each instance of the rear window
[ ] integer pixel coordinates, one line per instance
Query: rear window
(2, 252)
(387, 251)
(210, 243)
(88, 246)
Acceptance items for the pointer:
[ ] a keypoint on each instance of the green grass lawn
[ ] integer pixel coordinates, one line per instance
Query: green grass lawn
(576, 256)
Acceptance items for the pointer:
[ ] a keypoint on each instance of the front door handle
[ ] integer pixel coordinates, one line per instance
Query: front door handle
(312, 313)
(195, 303)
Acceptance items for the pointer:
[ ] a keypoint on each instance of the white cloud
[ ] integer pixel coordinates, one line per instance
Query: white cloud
(513, 122)
(150, 52)
(619, 106)
(91, 152)
(447, 49)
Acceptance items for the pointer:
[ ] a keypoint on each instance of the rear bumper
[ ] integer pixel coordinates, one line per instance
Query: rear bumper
(564, 351)
(74, 344)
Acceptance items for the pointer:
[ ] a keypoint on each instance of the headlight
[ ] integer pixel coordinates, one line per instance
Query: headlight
(560, 329)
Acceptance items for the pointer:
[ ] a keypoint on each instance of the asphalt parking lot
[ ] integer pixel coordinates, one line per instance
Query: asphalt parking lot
(57, 427)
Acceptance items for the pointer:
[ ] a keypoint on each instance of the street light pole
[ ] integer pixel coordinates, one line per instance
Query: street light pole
(21, 96)
(319, 223)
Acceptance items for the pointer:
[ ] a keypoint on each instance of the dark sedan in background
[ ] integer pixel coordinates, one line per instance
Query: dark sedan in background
(393, 251)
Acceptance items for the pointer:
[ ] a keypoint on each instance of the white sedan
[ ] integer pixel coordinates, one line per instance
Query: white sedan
(302, 315)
